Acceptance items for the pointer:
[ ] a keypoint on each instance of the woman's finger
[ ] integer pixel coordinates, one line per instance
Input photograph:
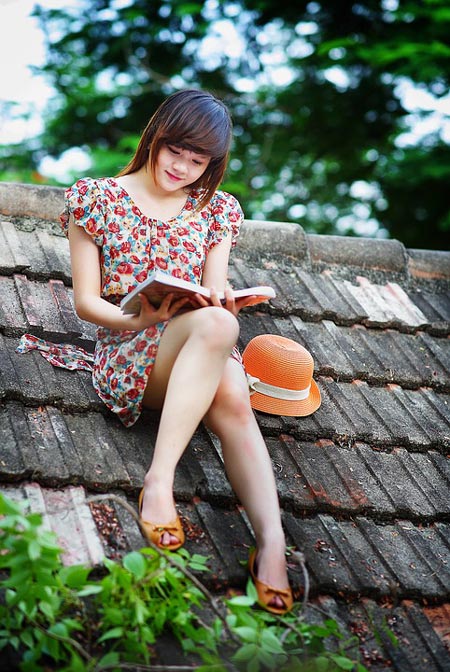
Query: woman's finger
(200, 300)
(215, 301)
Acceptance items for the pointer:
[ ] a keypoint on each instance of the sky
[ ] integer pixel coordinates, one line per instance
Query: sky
(22, 45)
(21, 90)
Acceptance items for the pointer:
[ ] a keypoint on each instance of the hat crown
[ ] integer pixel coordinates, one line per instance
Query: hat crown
(279, 361)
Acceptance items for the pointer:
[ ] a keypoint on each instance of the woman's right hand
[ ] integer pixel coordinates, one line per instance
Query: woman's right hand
(149, 315)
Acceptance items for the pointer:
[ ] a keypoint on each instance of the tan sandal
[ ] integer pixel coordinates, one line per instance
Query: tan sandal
(153, 532)
(266, 593)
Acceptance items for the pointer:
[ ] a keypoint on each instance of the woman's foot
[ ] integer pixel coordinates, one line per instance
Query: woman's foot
(269, 575)
(159, 519)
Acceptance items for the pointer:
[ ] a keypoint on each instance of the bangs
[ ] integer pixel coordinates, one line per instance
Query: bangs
(189, 146)
(213, 142)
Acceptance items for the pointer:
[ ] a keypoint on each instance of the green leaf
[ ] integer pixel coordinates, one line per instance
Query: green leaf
(247, 634)
(111, 658)
(27, 639)
(246, 652)
(15, 642)
(8, 507)
(271, 642)
(251, 590)
(91, 589)
(74, 576)
(113, 614)
(342, 662)
(114, 633)
(59, 629)
(135, 564)
(321, 664)
(241, 601)
(76, 664)
(34, 550)
(141, 612)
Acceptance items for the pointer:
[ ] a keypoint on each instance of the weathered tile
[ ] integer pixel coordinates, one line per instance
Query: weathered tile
(56, 254)
(436, 308)
(324, 485)
(407, 497)
(432, 412)
(17, 455)
(436, 353)
(327, 565)
(32, 379)
(204, 461)
(418, 573)
(365, 557)
(13, 257)
(293, 488)
(439, 618)
(386, 637)
(231, 541)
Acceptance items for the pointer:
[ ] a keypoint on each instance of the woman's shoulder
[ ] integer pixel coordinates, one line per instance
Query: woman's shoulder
(220, 202)
(91, 186)
(226, 206)
(224, 197)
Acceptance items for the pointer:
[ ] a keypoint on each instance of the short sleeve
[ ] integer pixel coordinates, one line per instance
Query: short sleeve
(83, 200)
(226, 217)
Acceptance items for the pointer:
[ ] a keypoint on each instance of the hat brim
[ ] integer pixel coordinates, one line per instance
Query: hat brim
(266, 404)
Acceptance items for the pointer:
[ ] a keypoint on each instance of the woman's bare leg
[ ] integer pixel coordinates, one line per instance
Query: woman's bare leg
(192, 353)
(250, 471)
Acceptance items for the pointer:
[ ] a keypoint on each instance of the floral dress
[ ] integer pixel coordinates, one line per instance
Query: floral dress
(132, 245)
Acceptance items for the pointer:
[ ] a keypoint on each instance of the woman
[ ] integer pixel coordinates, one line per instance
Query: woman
(164, 211)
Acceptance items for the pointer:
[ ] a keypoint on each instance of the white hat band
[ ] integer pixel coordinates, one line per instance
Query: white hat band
(256, 385)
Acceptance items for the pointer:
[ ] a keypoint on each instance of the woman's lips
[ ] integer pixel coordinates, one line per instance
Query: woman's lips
(173, 177)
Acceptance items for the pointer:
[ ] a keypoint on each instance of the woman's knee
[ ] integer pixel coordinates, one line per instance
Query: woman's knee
(231, 404)
(216, 325)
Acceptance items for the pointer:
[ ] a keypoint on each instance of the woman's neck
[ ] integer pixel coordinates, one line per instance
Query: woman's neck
(152, 201)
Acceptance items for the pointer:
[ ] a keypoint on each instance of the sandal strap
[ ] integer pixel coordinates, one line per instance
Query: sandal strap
(173, 526)
(275, 592)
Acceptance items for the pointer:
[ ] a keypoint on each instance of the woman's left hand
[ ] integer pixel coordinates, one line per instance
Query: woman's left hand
(231, 304)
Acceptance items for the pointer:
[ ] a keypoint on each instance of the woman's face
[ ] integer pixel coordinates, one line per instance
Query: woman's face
(177, 168)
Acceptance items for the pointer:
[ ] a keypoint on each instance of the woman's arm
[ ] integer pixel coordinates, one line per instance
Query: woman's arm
(215, 271)
(215, 274)
(89, 305)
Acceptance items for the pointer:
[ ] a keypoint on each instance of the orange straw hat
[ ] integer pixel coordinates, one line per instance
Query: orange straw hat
(279, 373)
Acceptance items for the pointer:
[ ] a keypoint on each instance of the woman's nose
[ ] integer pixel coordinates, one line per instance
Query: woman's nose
(179, 164)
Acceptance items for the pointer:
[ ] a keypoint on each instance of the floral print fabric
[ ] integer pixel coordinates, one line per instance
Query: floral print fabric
(64, 355)
(132, 245)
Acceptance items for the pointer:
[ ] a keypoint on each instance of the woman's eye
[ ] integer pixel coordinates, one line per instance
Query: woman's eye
(174, 150)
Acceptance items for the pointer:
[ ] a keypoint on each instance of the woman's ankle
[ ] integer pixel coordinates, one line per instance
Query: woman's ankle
(272, 542)
(158, 482)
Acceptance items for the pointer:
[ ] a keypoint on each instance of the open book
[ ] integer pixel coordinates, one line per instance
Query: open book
(158, 284)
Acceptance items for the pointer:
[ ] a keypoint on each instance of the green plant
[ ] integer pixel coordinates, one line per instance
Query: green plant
(64, 618)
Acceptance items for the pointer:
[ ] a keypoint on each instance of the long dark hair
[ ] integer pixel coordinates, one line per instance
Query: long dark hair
(195, 120)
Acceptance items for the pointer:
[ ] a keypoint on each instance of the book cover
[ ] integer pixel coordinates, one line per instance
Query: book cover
(159, 284)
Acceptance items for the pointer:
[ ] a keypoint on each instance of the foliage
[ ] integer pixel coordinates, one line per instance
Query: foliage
(65, 618)
(313, 90)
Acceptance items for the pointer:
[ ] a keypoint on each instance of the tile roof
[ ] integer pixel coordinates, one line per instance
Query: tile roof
(363, 483)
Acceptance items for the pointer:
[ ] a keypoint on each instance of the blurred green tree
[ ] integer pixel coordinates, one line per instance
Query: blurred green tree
(314, 90)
